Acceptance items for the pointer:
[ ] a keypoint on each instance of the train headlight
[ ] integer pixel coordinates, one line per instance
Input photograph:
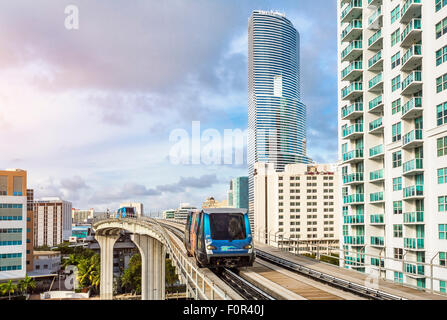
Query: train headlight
(248, 246)
(210, 247)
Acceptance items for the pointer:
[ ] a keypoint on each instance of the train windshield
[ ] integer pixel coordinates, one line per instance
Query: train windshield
(227, 226)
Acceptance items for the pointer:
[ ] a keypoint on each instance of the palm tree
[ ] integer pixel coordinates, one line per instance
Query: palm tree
(8, 288)
(26, 284)
(72, 260)
(89, 271)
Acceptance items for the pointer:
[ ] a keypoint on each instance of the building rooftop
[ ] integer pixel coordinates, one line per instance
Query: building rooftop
(46, 253)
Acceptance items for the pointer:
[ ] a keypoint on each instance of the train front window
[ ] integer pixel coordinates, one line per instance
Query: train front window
(227, 226)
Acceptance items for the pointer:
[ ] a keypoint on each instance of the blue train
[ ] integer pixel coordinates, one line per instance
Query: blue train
(125, 212)
(219, 237)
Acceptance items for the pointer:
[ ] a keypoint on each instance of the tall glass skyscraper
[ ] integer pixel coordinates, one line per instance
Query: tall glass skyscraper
(276, 116)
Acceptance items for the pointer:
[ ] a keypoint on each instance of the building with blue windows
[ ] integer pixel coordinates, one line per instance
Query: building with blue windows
(276, 115)
(238, 193)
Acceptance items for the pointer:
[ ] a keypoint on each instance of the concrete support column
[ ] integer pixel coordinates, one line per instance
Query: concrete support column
(145, 246)
(106, 243)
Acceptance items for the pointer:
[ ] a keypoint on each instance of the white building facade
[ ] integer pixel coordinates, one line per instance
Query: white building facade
(393, 139)
(299, 203)
(52, 221)
(138, 206)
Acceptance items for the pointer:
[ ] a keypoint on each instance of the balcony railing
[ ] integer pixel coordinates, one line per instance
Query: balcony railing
(414, 24)
(375, 59)
(353, 177)
(377, 241)
(414, 217)
(376, 36)
(376, 175)
(414, 103)
(413, 191)
(414, 164)
(412, 77)
(354, 66)
(412, 136)
(374, 151)
(375, 15)
(354, 219)
(355, 128)
(373, 125)
(355, 24)
(356, 240)
(406, 6)
(357, 153)
(355, 107)
(357, 44)
(375, 81)
(376, 102)
(415, 50)
(377, 218)
(414, 243)
(376, 196)
(353, 4)
(356, 86)
(354, 198)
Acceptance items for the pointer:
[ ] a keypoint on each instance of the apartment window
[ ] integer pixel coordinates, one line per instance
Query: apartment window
(442, 286)
(441, 55)
(441, 203)
(441, 145)
(397, 184)
(443, 258)
(3, 185)
(397, 231)
(441, 83)
(441, 28)
(396, 131)
(395, 83)
(442, 231)
(442, 175)
(397, 207)
(398, 253)
(17, 186)
(398, 277)
(395, 14)
(395, 37)
(397, 159)
(395, 106)
(439, 4)
(395, 60)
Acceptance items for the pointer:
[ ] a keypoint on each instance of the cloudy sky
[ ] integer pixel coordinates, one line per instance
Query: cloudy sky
(89, 112)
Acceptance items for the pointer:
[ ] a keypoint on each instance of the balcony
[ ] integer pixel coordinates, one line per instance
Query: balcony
(412, 109)
(374, 3)
(354, 131)
(353, 71)
(375, 21)
(376, 105)
(376, 197)
(376, 62)
(356, 198)
(412, 58)
(414, 244)
(413, 192)
(352, 31)
(412, 83)
(353, 111)
(412, 33)
(376, 176)
(410, 9)
(353, 178)
(352, 11)
(377, 219)
(354, 240)
(352, 51)
(354, 219)
(377, 241)
(414, 270)
(413, 167)
(353, 91)
(375, 42)
(376, 153)
(414, 217)
(353, 156)
(376, 126)
(412, 139)
(376, 83)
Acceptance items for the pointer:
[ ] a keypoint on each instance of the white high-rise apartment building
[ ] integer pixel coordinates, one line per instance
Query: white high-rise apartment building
(299, 203)
(392, 58)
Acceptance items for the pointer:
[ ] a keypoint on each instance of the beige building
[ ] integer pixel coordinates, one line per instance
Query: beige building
(80, 216)
(52, 221)
(298, 203)
(213, 203)
(138, 206)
